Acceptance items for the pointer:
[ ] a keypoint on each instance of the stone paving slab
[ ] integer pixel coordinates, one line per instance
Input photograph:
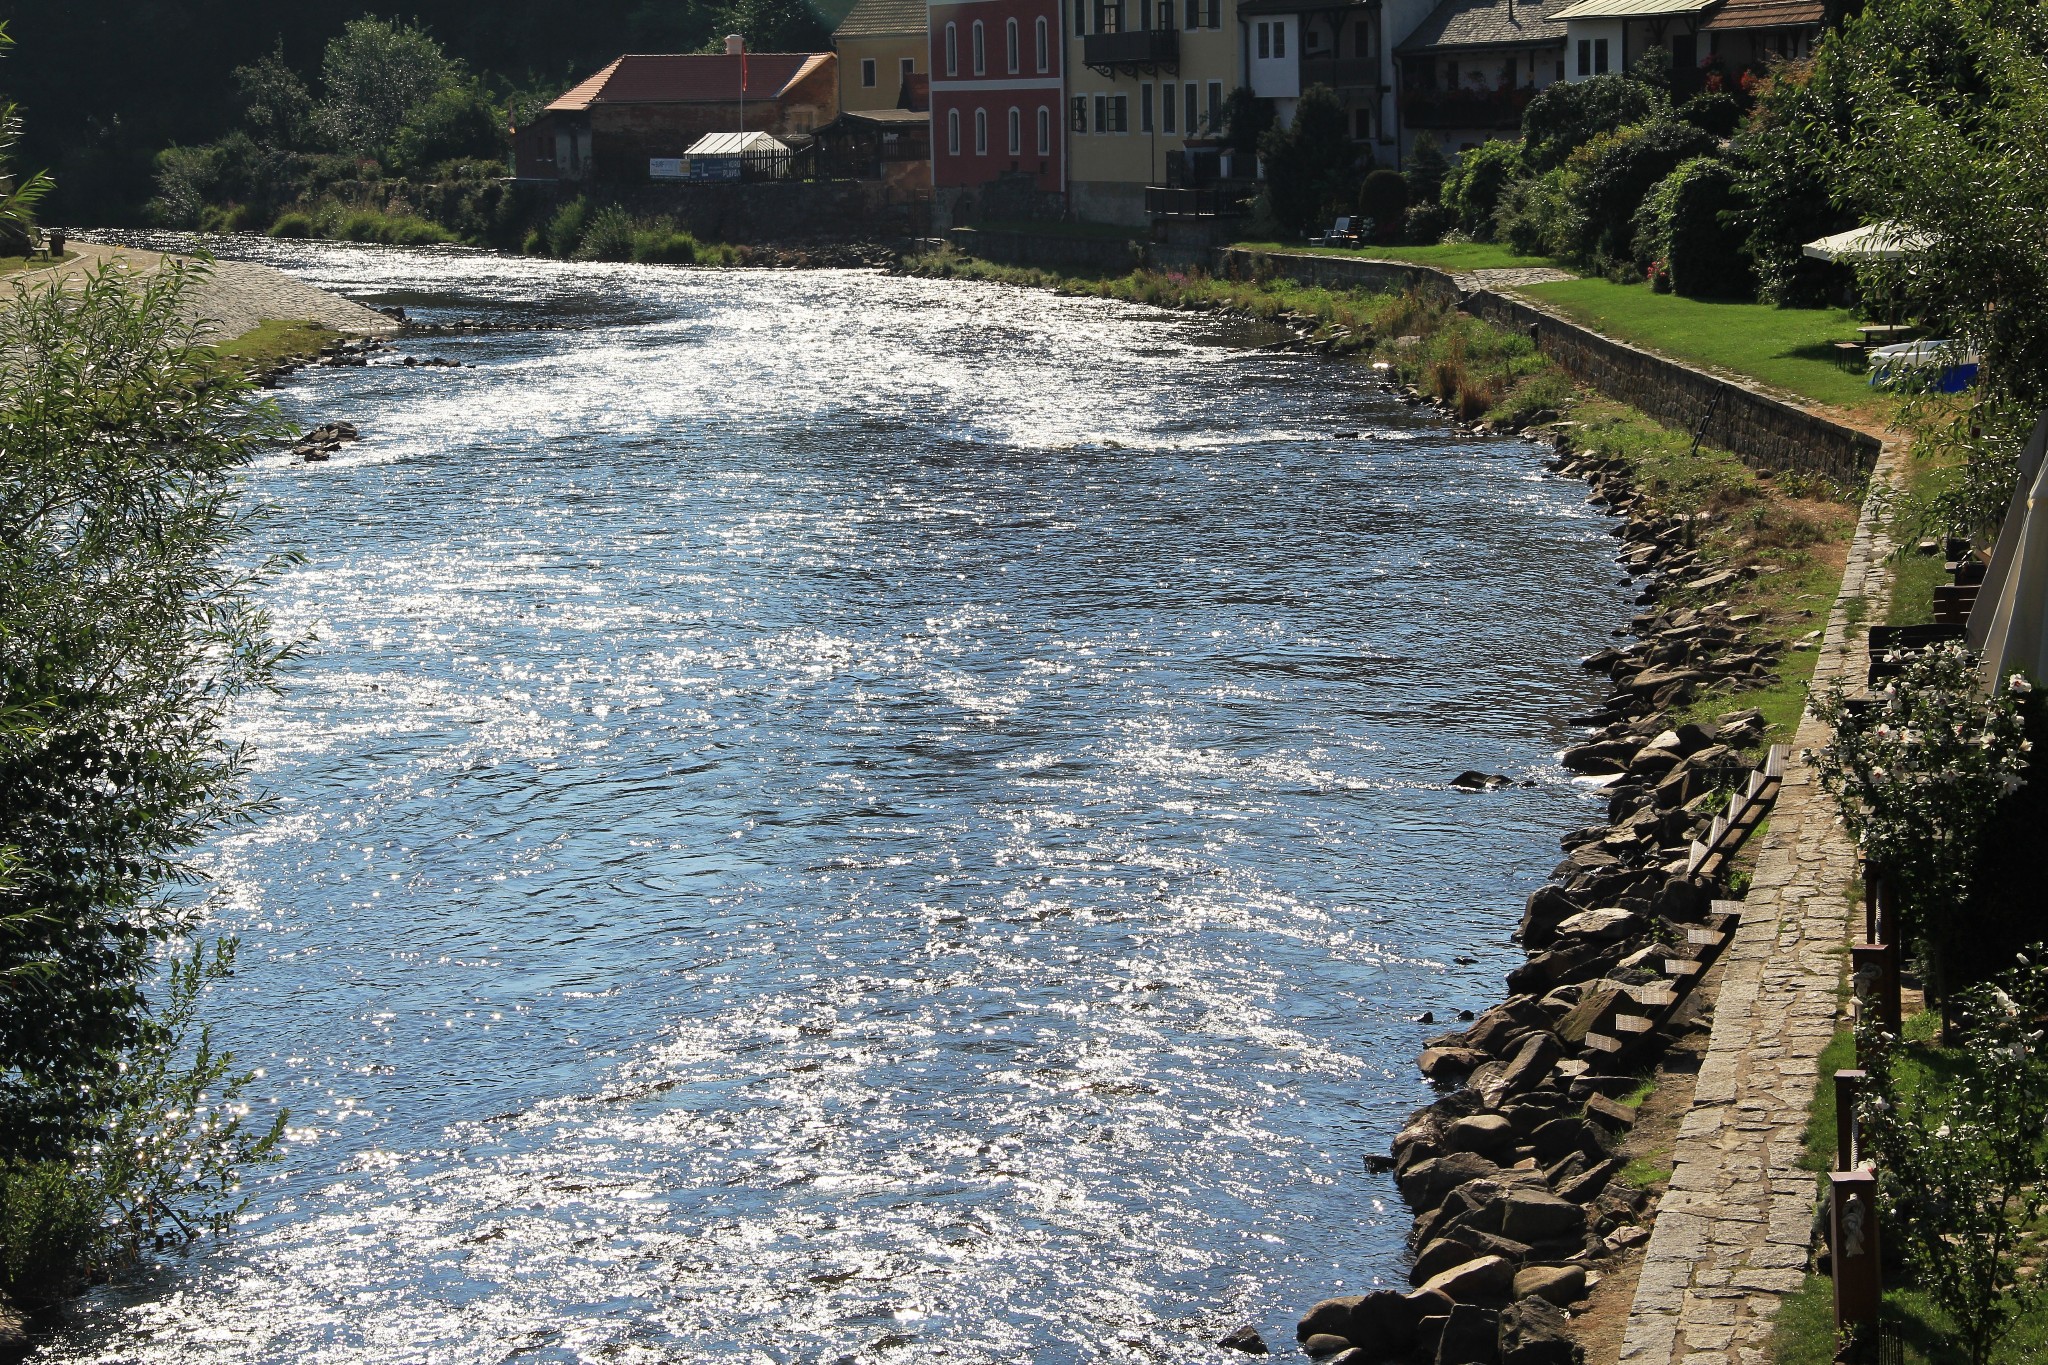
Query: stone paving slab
(1730, 1240)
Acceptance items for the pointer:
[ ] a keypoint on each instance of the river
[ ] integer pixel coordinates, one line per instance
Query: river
(828, 816)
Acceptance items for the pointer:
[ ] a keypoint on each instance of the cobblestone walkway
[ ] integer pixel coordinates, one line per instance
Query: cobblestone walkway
(234, 297)
(1732, 1231)
(1505, 278)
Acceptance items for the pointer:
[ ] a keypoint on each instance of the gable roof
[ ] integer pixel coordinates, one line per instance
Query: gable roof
(1488, 23)
(1633, 9)
(690, 78)
(1767, 14)
(884, 19)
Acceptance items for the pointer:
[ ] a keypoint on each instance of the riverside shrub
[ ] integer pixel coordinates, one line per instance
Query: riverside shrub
(1689, 223)
(1614, 172)
(1566, 115)
(127, 633)
(1473, 188)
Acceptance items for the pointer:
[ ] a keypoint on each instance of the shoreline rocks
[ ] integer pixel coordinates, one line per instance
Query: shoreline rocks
(1511, 1172)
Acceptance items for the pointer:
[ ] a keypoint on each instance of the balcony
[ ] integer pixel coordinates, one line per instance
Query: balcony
(1464, 108)
(1340, 73)
(1148, 51)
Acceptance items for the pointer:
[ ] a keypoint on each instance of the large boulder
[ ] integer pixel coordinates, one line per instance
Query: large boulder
(1562, 1136)
(1490, 1135)
(1246, 1339)
(1424, 1185)
(1484, 1280)
(1534, 1331)
(1606, 925)
(1548, 906)
(1559, 1284)
(1447, 1064)
(1384, 1323)
(1534, 1056)
(1323, 1345)
(1596, 1002)
(1331, 1316)
(1470, 1337)
(1533, 1215)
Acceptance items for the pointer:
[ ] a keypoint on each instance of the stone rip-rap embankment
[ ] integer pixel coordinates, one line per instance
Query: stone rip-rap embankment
(1515, 1174)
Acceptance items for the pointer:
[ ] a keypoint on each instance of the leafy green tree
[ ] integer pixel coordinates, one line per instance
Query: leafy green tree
(1960, 1160)
(1383, 198)
(374, 76)
(1246, 118)
(276, 107)
(1689, 223)
(1425, 170)
(1474, 185)
(1612, 174)
(1947, 102)
(126, 634)
(19, 194)
(1308, 163)
(458, 120)
(1566, 115)
(1784, 159)
(770, 26)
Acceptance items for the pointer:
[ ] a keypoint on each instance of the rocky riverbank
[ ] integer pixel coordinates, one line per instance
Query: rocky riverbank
(1519, 1194)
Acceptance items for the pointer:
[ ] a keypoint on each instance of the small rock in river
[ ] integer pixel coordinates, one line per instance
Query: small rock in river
(1246, 1339)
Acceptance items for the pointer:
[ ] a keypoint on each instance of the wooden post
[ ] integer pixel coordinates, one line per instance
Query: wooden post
(1848, 1085)
(1875, 967)
(1853, 1252)
(1873, 888)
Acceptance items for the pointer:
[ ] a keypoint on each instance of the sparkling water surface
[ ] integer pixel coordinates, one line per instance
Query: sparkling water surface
(827, 816)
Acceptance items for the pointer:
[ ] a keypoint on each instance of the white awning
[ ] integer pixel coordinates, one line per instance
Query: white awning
(1631, 9)
(1878, 242)
(735, 144)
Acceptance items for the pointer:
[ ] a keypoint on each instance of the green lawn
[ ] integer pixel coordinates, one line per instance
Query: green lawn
(1445, 256)
(1787, 348)
(274, 342)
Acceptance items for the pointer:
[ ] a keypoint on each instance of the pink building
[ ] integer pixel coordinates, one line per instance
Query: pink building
(997, 88)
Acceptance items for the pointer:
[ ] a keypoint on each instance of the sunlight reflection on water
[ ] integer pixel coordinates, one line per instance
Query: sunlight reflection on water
(832, 815)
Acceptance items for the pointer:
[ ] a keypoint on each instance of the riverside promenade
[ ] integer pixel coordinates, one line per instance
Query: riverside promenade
(233, 297)
(1734, 1229)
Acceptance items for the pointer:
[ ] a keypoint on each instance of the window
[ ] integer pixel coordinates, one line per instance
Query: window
(1215, 105)
(1166, 107)
(905, 67)
(1119, 113)
(1361, 41)
(1044, 45)
(1081, 17)
(1102, 113)
(1010, 41)
(1361, 124)
(1165, 15)
(952, 49)
(1145, 107)
(1215, 14)
(1077, 114)
(1280, 38)
(980, 49)
(867, 73)
(1265, 42)
(1044, 131)
(1194, 13)
(1599, 56)
(1109, 16)
(981, 132)
(952, 132)
(1194, 111)
(1016, 131)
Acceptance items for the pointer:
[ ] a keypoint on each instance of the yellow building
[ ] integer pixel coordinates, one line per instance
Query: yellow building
(881, 43)
(1143, 76)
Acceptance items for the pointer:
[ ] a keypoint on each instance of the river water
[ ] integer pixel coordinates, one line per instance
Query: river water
(837, 817)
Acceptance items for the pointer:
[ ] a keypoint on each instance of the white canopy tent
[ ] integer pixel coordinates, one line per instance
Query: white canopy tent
(2009, 624)
(1877, 242)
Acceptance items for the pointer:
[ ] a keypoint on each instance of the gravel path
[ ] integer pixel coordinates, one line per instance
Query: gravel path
(233, 297)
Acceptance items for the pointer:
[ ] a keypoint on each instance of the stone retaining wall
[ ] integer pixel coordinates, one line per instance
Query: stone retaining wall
(1048, 250)
(1335, 272)
(1766, 432)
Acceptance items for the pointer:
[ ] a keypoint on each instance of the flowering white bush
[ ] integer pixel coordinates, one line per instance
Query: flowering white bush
(1917, 772)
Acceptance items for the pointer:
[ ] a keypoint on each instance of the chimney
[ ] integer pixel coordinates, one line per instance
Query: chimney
(734, 45)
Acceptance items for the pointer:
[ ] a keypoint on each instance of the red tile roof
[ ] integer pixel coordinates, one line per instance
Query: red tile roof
(692, 78)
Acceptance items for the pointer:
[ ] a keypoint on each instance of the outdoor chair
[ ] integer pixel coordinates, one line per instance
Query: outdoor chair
(1341, 233)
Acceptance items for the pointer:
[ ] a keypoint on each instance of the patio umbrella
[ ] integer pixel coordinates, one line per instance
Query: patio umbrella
(2009, 624)
(1878, 242)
